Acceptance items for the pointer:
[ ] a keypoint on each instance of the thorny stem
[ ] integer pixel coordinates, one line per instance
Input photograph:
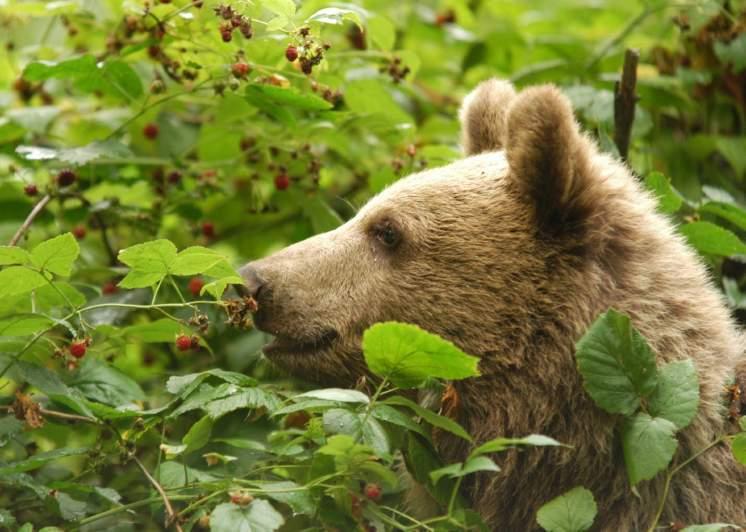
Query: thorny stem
(171, 516)
(125, 507)
(30, 219)
(675, 470)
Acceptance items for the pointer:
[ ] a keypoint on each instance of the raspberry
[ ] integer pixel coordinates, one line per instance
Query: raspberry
(208, 229)
(195, 285)
(372, 491)
(79, 232)
(282, 181)
(174, 177)
(78, 348)
(194, 342)
(31, 190)
(150, 131)
(183, 342)
(291, 53)
(226, 35)
(66, 177)
(240, 70)
(109, 287)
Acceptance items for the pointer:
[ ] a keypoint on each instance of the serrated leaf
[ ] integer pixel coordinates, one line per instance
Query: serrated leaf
(16, 280)
(337, 394)
(710, 239)
(246, 398)
(38, 460)
(198, 435)
(431, 417)
(149, 262)
(71, 68)
(182, 385)
(341, 421)
(13, 255)
(648, 444)
(396, 417)
(409, 356)
(573, 511)
(163, 330)
(263, 96)
(669, 200)
(290, 493)
(500, 444)
(726, 211)
(738, 446)
(56, 255)
(676, 397)
(198, 259)
(101, 382)
(617, 365)
(257, 516)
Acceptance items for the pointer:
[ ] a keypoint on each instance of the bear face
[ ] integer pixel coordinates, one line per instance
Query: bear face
(457, 250)
(511, 253)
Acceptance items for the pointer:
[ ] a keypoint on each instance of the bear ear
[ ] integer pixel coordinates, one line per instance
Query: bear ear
(548, 157)
(483, 115)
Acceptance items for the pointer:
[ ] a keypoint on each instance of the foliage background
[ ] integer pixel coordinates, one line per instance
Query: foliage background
(248, 163)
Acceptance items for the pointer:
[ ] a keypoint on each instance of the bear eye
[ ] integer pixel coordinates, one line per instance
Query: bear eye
(387, 234)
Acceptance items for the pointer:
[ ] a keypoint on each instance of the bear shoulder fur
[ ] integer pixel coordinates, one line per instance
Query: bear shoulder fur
(511, 253)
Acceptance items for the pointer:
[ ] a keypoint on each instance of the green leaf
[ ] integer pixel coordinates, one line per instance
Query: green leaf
(70, 509)
(396, 417)
(13, 255)
(733, 52)
(163, 330)
(731, 213)
(185, 384)
(431, 417)
(16, 280)
(710, 239)
(323, 218)
(103, 383)
(257, 516)
(370, 96)
(341, 421)
(648, 444)
(56, 255)
(669, 200)
(24, 325)
(197, 259)
(449, 471)
(573, 511)
(39, 460)
(121, 80)
(676, 397)
(149, 262)
(77, 156)
(738, 447)
(71, 68)
(734, 151)
(264, 96)
(337, 394)
(246, 398)
(297, 497)
(285, 8)
(335, 15)
(500, 444)
(381, 32)
(458, 470)
(617, 365)
(409, 356)
(198, 435)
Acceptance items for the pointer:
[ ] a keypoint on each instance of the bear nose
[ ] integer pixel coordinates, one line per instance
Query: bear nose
(253, 282)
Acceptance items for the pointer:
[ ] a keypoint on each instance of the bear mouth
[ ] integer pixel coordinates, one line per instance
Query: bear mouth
(285, 346)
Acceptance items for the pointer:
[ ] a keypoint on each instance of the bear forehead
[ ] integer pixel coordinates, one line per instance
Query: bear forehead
(467, 179)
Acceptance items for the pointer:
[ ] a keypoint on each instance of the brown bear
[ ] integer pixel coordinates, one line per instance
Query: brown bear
(511, 253)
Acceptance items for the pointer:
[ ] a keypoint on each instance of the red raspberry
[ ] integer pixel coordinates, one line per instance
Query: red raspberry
(291, 53)
(79, 232)
(66, 177)
(226, 35)
(150, 131)
(78, 348)
(195, 285)
(282, 181)
(183, 342)
(174, 177)
(372, 491)
(109, 287)
(31, 190)
(240, 70)
(208, 229)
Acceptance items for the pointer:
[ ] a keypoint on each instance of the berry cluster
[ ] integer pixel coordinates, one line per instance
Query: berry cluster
(333, 96)
(232, 21)
(26, 90)
(395, 69)
(239, 312)
(306, 50)
(187, 343)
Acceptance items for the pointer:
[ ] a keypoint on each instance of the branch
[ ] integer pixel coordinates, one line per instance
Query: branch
(624, 102)
(170, 515)
(30, 219)
(63, 415)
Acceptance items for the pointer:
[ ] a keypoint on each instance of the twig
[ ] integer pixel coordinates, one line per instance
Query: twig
(30, 219)
(63, 415)
(624, 102)
(171, 516)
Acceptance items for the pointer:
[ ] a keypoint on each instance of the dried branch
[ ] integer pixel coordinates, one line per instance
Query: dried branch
(30, 219)
(625, 99)
(170, 515)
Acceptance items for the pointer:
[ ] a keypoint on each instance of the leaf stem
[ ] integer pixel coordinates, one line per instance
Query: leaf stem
(171, 516)
(30, 219)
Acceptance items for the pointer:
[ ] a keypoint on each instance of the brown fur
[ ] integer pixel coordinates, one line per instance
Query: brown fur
(512, 255)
